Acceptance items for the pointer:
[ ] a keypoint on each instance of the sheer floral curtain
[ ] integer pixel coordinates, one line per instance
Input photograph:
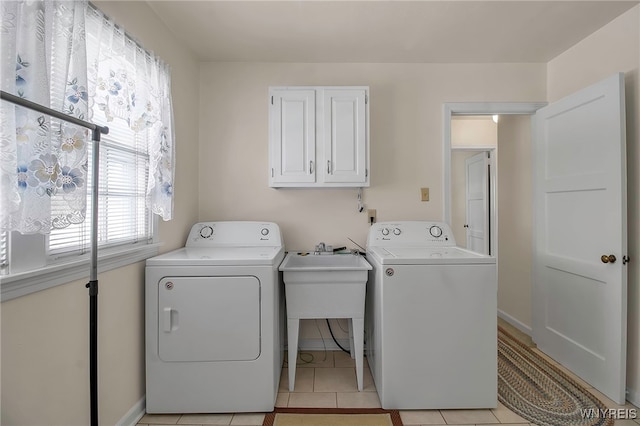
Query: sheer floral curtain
(47, 58)
(43, 161)
(129, 84)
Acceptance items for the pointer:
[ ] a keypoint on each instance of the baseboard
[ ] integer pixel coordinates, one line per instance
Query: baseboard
(134, 414)
(514, 322)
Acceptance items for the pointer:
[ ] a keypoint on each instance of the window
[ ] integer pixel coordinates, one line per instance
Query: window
(124, 216)
(126, 223)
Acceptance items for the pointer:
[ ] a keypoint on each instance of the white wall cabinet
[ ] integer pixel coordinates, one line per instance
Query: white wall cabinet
(319, 136)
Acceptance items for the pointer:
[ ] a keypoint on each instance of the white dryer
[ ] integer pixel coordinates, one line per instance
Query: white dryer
(214, 324)
(431, 319)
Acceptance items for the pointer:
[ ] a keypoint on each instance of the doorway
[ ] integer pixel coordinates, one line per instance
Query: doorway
(510, 225)
(474, 143)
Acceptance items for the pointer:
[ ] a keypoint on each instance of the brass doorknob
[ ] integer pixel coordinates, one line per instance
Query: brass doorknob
(608, 259)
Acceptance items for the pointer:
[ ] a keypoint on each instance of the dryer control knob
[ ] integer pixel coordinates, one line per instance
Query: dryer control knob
(397, 231)
(264, 231)
(435, 231)
(385, 231)
(206, 232)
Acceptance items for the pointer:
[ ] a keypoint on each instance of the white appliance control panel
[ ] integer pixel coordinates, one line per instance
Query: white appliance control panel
(234, 234)
(411, 233)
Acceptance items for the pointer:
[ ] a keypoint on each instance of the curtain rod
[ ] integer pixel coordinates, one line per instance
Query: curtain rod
(53, 113)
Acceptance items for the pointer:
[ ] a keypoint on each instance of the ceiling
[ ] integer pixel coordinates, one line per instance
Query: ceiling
(384, 31)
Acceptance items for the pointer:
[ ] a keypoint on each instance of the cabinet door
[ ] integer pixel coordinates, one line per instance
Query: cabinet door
(344, 136)
(293, 127)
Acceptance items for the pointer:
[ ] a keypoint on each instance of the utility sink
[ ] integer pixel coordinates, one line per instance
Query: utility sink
(302, 268)
(319, 286)
(312, 262)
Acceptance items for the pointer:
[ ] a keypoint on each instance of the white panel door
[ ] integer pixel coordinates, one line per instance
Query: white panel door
(293, 136)
(477, 202)
(344, 135)
(209, 318)
(579, 295)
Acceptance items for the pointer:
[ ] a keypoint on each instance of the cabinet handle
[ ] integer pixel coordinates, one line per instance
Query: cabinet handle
(329, 167)
(311, 167)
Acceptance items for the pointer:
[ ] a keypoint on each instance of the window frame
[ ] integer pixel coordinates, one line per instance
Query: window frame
(47, 275)
(32, 268)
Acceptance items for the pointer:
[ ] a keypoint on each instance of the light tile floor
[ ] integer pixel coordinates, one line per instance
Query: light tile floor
(329, 380)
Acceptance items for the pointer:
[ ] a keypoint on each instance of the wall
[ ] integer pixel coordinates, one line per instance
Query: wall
(614, 48)
(473, 130)
(406, 142)
(515, 220)
(45, 335)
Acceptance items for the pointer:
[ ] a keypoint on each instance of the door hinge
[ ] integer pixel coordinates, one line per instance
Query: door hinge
(271, 100)
(272, 172)
(366, 173)
(625, 260)
(366, 99)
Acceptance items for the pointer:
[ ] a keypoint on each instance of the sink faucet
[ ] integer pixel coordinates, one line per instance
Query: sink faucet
(322, 248)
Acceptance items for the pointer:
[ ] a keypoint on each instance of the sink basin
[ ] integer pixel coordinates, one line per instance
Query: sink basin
(337, 262)
(330, 286)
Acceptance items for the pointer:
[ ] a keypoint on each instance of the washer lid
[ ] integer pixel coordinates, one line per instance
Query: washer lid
(426, 256)
(218, 256)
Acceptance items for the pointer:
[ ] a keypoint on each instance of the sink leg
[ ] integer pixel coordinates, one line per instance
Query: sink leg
(358, 336)
(352, 351)
(293, 326)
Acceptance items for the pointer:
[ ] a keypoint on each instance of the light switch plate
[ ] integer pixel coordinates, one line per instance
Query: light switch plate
(424, 194)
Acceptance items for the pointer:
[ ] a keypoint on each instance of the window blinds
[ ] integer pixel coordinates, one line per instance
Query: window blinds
(123, 215)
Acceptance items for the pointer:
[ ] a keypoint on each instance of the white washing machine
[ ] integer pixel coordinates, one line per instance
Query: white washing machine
(214, 324)
(431, 319)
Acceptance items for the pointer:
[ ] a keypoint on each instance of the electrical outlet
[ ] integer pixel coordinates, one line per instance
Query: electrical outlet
(424, 194)
(371, 214)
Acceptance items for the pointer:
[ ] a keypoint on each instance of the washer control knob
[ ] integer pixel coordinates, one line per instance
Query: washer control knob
(206, 231)
(264, 231)
(385, 231)
(397, 231)
(435, 231)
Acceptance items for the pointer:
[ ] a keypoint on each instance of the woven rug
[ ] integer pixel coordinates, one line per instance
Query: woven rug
(332, 417)
(539, 392)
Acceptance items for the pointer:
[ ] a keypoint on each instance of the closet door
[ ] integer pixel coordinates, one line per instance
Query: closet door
(344, 136)
(292, 145)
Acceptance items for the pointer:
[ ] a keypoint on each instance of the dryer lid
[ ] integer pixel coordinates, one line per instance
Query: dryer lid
(219, 256)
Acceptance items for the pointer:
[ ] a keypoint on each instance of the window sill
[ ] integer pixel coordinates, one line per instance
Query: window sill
(23, 283)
